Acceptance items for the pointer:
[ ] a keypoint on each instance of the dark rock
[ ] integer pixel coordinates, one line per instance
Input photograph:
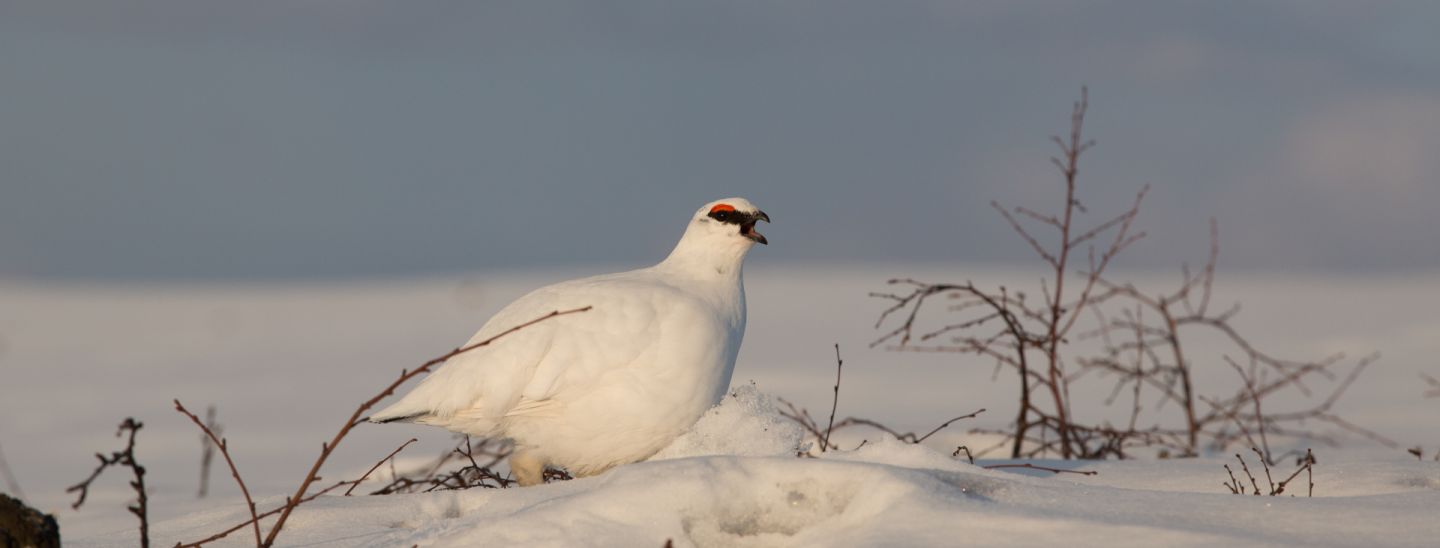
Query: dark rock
(24, 527)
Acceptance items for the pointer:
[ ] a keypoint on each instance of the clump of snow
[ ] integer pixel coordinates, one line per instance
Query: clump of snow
(746, 423)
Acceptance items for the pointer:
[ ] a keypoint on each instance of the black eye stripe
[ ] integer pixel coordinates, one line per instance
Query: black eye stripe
(729, 216)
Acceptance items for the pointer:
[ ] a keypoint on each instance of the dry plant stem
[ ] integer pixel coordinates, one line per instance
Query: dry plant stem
(1253, 484)
(225, 452)
(1310, 472)
(1187, 391)
(965, 449)
(122, 458)
(1235, 486)
(1307, 465)
(356, 417)
(1254, 397)
(263, 515)
(377, 465)
(1265, 463)
(433, 469)
(468, 476)
(947, 423)
(834, 401)
(1041, 468)
(802, 417)
(207, 450)
(1052, 346)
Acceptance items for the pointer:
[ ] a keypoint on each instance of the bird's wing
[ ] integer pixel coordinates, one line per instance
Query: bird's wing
(519, 373)
(623, 329)
(488, 379)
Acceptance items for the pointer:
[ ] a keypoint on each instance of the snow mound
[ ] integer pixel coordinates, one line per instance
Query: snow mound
(746, 423)
(735, 481)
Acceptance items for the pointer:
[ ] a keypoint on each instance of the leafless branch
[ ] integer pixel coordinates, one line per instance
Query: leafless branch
(834, 401)
(1044, 468)
(207, 450)
(235, 472)
(355, 418)
(124, 458)
(377, 465)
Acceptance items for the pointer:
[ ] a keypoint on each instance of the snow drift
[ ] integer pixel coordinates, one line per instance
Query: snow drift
(734, 480)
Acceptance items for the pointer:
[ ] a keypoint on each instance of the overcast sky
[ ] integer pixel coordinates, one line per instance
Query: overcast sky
(245, 139)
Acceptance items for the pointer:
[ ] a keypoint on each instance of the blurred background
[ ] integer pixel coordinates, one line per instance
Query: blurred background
(279, 139)
(273, 206)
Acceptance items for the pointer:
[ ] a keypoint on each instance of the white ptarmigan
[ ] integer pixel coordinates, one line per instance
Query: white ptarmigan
(613, 385)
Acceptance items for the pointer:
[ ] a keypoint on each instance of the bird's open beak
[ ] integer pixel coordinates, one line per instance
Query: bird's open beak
(747, 228)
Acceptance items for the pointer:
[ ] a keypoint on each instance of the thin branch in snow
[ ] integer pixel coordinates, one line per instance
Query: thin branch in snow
(225, 452)
(388, 458)
(834, 401)
(207, 450)
(124, 458)
(357, 417)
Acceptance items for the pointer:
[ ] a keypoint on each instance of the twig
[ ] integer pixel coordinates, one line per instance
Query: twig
(262, 515)
(207, 450)
(377, 465)
(1307, 465)
(968, 456)
(225, 452)
(834, 401)
(947, 423)
(355, 418)
(1253, 483)
(122, 458)
(1235, 486)
(1044, 468)
(1264, 462)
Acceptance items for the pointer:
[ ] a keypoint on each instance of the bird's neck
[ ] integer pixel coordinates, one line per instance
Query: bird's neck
(705, 260)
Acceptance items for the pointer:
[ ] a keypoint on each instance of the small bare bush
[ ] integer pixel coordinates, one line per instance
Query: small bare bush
(1143, 340)
(1305, 463)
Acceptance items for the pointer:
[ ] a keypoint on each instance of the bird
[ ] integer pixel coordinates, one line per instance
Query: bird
(615, 384)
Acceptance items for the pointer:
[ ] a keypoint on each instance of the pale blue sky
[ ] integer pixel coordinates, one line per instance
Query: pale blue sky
(262, 139)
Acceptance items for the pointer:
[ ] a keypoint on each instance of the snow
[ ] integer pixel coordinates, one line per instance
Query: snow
(286, 363)
(735, 481)
(747, 424)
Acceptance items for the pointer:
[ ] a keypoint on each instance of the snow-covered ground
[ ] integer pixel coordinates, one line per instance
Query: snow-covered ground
(734, 481)
(285, 363)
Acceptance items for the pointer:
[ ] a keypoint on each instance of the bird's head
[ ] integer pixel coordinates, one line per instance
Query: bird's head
(718, 237)
(731, 220)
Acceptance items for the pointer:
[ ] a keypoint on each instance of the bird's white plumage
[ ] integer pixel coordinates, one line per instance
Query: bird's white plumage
(612, 385)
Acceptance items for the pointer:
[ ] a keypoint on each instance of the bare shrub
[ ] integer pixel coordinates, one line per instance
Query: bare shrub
(1305, 463)
(1142, 338)
(802, 417)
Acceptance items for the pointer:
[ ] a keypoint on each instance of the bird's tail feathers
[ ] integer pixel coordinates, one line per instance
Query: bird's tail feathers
(400, 418)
